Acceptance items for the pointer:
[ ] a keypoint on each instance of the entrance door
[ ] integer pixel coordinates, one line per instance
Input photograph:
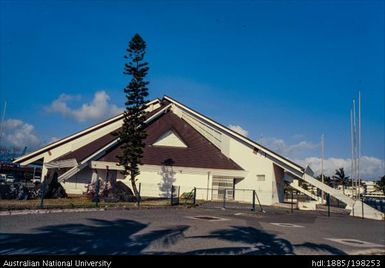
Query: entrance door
(222, 186)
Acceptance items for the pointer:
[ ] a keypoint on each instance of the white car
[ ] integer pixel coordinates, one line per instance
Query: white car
(36, 179)
(10, 179)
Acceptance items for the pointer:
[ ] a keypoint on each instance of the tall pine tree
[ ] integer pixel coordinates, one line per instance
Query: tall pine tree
(133, 133)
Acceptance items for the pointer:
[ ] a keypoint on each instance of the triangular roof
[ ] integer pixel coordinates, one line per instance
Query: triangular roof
(166, 101)
(170, 138)
(199, 152)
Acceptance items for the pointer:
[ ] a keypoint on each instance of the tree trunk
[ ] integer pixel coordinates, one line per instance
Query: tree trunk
(134, 188)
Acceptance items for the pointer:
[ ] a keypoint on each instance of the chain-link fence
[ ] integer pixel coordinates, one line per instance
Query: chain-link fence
(291, 199)
(177, 195)
(246, 199)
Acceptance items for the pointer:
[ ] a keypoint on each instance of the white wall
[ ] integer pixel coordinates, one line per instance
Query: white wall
(158, 184)
(157, 181)
(257, 164)
(77, 184)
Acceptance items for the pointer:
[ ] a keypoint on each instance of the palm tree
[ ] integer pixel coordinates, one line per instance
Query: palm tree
(327, 180)
(341, 178)
(380, 185)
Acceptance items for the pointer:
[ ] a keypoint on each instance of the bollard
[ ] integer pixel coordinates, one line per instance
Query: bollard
(362, 207)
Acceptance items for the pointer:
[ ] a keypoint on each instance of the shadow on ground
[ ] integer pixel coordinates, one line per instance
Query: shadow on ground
(102, 238)
(126, 237)
(261, 243)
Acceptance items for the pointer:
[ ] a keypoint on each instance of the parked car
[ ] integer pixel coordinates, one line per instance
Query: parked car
(36, 179)
(10, 179)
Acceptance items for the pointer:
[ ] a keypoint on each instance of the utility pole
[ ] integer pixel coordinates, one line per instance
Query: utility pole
(2, 122)
(322, 165)
(359, 143)
(352, 145)
(355, 145)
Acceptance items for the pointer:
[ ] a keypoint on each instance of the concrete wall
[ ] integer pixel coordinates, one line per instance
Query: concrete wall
(77, 184)
(256, 164)
(278, 184)
(158, 183)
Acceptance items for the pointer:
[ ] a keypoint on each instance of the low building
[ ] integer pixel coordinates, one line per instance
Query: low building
(372, 190)
(182, 148)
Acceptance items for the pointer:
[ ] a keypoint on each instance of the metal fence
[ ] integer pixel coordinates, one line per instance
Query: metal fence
(245, 199)
(377, 203)
(174, 194)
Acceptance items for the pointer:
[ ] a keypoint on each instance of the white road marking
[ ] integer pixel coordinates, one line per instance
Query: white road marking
(355, 242)
(285, 224)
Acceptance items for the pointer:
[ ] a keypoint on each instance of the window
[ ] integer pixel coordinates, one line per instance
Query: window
(260, 177)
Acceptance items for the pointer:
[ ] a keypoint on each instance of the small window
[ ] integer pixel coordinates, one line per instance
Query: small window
(260, 177)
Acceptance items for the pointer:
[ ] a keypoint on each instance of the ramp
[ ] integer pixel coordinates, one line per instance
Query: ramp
(357, 207)
(306, 192)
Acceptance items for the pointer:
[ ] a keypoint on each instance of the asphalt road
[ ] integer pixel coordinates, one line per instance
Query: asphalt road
(176, 231)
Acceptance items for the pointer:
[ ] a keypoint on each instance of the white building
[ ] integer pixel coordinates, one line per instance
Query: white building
(372, 190)
(202, 153)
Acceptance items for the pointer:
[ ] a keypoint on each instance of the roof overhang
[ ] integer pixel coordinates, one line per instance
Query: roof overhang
(68, 163)
(103, 165)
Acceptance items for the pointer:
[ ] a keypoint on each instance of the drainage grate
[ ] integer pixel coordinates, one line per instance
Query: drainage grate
(207, 218)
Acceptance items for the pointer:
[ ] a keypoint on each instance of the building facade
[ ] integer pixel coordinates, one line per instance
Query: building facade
(183, 148)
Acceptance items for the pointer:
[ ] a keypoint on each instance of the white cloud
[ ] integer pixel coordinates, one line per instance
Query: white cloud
(52, 140)
(239, 130)
(370, 167)
(99, 108)
(18, 134)
(280, 146)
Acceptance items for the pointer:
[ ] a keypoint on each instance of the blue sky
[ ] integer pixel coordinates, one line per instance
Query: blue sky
(285, 72)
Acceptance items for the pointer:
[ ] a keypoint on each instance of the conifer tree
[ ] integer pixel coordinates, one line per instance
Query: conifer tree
(132, 134)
